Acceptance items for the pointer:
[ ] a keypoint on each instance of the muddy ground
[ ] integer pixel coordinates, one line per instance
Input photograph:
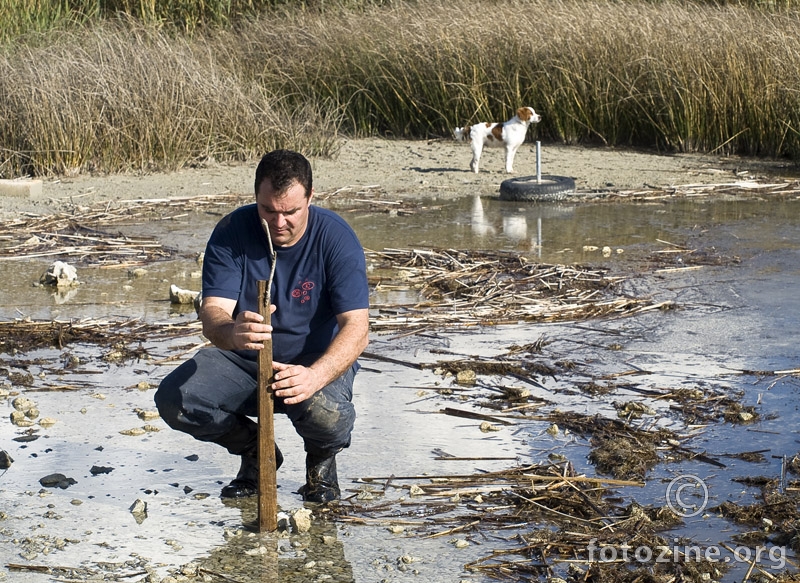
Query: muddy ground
(713, 378)
(438, 169)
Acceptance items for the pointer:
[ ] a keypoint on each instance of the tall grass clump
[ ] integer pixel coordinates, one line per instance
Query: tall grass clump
(21, 17)
(123, 97)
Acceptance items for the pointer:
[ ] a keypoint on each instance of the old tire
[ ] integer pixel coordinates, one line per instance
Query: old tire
(527, 188)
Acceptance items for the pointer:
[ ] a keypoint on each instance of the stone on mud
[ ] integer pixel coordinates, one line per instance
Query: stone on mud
(57, 481)
(179, 295)
(21, 187)
(19, 419)
(60, 274)
(486, 427)
(301, 520)
(5, 460)
(146, 415)
(133, 431)
(139, 510)
(23, 404)
(283, 521)
(466, 377)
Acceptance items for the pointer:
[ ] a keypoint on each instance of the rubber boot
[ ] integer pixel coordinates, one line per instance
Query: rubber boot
(322, 484)
(243, 441)
(245, 483)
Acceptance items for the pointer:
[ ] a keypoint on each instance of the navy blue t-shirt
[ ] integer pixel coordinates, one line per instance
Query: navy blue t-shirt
(320, 276)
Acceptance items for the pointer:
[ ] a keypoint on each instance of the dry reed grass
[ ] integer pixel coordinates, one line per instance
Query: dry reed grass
(18, 17)
(677, 76)
(123, 97)
(672, 75)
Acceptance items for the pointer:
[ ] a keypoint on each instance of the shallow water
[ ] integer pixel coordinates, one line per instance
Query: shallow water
(740, 316)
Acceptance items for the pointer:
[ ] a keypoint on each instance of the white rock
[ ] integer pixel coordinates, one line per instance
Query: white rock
(139, 507)
(466, 377)
(23, 404)
(134, 431)
(301, 520)
(179, 295)
(283, 521)
(20, 187)
(60, 274)
(146, 415)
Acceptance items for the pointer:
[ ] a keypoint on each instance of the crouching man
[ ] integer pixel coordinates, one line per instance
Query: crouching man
(319, 327)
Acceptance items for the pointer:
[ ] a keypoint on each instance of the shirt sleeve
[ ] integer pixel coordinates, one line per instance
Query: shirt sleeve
(347, 275)
(222, 263)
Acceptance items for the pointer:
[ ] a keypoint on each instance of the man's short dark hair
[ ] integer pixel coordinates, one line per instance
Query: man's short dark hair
(282, 168)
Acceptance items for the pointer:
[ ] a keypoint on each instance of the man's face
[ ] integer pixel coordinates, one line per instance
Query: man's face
(285, 213)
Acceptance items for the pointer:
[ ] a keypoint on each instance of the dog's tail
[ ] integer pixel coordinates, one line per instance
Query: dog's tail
(461, 134)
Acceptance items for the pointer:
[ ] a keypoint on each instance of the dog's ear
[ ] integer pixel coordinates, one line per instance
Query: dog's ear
(524, 113)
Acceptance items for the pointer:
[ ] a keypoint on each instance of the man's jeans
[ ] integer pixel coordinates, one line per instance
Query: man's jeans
(212, 396)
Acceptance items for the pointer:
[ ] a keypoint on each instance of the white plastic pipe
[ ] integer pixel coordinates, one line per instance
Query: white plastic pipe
(538, 162)
(539, 236)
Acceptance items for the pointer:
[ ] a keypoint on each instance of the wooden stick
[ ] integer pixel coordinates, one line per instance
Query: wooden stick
(472, 415)
(267, 481)
(509, 475)
(452, 530)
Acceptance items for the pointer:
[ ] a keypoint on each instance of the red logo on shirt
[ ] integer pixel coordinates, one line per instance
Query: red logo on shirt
(302, 290)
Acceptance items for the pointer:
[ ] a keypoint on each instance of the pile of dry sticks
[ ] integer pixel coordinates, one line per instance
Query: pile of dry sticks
(471, 288)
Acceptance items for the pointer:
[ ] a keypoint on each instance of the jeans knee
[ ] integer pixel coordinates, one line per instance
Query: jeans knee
(169, 397)
(168, 404)
(324, 422)
(332, 420)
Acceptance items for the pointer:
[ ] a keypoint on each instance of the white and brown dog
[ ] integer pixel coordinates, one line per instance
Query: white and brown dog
(509, 134)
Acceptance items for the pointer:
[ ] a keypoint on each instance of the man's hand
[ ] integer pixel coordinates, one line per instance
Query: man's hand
(249, 331)
(295, 383)
(246, 332)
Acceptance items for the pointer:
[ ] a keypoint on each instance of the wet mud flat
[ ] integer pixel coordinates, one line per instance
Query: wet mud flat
(518, 419)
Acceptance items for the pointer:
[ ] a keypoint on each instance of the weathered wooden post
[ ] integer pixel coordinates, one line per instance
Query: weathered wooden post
(267, 481)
